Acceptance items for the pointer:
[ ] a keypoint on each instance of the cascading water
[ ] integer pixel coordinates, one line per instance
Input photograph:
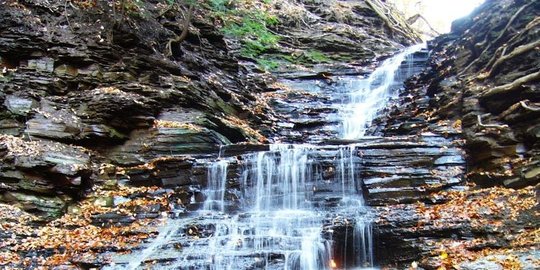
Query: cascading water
(370, 95)
(217, 178)
(298, 207)
(278, 229)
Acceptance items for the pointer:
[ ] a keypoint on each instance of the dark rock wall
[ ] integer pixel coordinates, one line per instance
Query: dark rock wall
(90, 77)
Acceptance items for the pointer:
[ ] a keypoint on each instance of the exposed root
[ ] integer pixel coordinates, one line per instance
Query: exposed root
(510, 87)
(497, 40)
(480, 124)
(512, 19)
(516, 52)
(534, 23)
(183, 35)
(498, 53)
(529, 108)
(516, 110)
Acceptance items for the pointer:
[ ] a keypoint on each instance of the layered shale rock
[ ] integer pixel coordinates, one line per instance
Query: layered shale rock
(43, 177)
(336, 36)
(116, 78)
(100, 79)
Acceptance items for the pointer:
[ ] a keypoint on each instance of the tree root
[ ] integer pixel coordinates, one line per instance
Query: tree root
(512, 19)
(517, 51)
(183, 35)
(529, 108)
(510, 87)
(496, 126)
(516, 111)
(497, 40)
(498, 53)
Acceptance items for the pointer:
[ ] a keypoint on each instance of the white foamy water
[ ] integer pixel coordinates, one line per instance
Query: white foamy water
(368, 96)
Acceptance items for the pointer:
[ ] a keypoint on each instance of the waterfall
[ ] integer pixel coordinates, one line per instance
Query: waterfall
(296, 207)
(370, 95)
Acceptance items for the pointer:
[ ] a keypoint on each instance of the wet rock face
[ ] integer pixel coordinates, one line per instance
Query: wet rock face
(407, 169)
(87, 76)
(463, 94)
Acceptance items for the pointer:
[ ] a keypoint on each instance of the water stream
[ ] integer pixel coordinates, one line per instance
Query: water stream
(370, 95)
(296, 207)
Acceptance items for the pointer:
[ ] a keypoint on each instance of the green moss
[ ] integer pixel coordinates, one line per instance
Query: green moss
(316, 57)
(256, 38)
(251, 27)
(268, 64)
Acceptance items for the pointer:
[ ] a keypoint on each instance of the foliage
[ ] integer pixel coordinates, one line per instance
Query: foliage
(74, 235)
(485, 210)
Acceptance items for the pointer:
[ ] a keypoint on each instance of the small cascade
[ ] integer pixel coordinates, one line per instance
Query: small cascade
(217, 180)
(370, 95)
(363, 242)
(278, 228)
(280, 178)
(347, 170)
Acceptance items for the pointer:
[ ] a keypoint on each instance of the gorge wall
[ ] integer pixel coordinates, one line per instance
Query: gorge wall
(483, 76)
